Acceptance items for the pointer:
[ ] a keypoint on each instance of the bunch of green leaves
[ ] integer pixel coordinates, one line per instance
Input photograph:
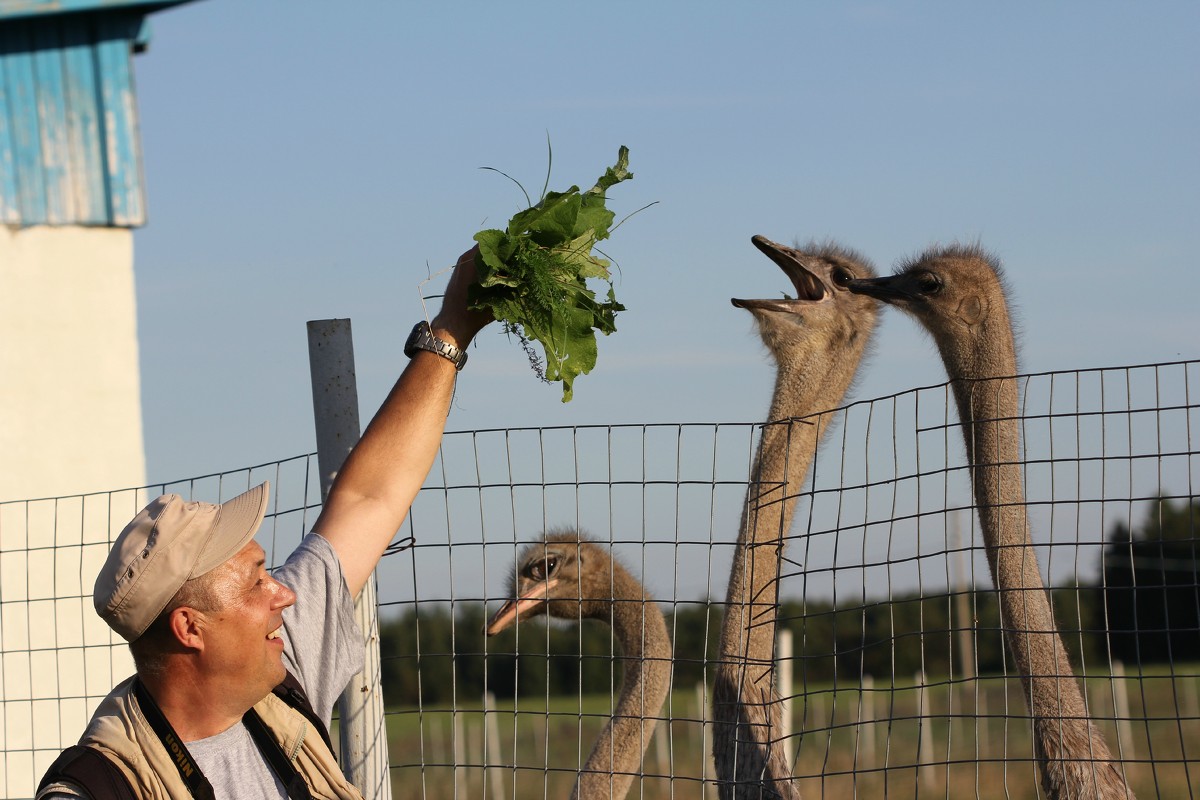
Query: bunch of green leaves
(534, 274)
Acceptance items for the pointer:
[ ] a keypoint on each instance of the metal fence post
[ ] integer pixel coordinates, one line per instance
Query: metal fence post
(363, 729)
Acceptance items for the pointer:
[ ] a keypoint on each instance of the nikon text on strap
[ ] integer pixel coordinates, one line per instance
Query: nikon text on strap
(197, 784)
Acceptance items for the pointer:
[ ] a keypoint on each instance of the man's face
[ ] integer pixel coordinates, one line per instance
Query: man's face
(243, 643)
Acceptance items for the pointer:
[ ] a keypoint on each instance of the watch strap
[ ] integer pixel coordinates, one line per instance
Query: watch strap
(422, 338)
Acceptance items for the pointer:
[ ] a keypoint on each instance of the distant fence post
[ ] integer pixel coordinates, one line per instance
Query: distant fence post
(962, 605)
(783, 674)
(493, 774)
(1121, 711)
(363, 729)
(924, 732)
(866, 723)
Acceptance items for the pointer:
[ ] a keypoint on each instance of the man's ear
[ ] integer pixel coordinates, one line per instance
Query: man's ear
(187, 626)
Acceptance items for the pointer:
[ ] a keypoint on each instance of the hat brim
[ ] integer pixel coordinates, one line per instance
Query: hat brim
(237, 521)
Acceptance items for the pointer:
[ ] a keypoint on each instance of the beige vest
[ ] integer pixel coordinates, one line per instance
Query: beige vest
(120, 731)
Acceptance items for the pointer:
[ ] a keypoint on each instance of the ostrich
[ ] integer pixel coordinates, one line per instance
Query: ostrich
(571, 577)
(817, 341)
(956, 294)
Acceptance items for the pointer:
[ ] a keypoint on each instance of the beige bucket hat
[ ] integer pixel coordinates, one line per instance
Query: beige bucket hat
(168, 543)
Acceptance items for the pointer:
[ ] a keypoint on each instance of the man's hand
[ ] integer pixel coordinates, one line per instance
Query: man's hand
(456, 323)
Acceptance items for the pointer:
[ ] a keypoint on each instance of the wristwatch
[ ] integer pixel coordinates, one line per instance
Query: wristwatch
(422, 338)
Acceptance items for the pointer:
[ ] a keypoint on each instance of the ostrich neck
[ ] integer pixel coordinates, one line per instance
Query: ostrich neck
(785, 452)
(639, 627)
(750, 762)
(986, 396)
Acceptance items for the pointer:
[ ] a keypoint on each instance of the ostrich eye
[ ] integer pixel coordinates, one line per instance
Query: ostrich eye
(540, 570)
(929, 283)
(842, 276)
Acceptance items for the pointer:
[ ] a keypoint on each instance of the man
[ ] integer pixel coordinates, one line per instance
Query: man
(213, 633)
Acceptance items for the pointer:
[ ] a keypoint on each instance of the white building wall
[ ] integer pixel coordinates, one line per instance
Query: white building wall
(70, 402)
(70, 423)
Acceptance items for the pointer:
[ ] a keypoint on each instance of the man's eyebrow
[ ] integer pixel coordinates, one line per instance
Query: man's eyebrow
(253, 569)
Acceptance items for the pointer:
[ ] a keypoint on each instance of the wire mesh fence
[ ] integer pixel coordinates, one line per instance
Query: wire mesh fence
(898, 682)
(59, 659)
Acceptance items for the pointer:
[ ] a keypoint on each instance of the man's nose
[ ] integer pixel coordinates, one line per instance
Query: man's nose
(284, 596)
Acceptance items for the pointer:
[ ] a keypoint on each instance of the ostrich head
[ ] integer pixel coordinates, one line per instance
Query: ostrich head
(956, 293)
(823, 304)
(566, 576)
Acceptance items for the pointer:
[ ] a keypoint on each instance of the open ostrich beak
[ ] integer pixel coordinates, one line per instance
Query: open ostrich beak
(808, 286)
(888, 289)
(512, 610)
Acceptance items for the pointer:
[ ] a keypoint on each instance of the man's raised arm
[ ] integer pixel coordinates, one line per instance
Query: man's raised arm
(372, 493)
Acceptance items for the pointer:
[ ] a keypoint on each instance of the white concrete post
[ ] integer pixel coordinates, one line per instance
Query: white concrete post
(493, 774)
(662, 747)
(783, 676)
(866, 724)
(460, 758)
(962, 606)
(702, 717)
(965, 623)
(1121, 711)
(363, 738)
(924, 732)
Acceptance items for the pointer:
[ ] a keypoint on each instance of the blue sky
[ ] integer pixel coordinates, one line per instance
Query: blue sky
(310, 160)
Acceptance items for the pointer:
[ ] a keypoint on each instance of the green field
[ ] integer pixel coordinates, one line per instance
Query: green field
(968, 739)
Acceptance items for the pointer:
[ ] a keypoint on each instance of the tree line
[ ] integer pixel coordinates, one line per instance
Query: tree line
(1143, 609)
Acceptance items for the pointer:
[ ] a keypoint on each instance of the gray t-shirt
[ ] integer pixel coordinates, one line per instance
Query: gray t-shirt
(323, 648)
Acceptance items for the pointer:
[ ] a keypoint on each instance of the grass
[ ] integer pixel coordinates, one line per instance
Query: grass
(962, 739)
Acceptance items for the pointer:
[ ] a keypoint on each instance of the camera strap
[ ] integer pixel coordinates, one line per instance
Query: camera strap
(189, 770)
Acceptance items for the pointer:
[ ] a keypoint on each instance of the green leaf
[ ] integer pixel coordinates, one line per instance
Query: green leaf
(531, 218)
(578, 254)
(614, 174)
(533, 277)
(557, 223)
(496, 252)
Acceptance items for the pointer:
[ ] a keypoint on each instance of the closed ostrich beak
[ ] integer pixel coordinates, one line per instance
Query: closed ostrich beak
(888, 288)
(512, 610)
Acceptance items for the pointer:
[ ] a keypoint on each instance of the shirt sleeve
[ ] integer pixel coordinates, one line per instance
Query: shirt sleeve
(323, 646)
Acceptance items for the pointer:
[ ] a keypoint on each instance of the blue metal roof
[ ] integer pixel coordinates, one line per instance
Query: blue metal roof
(11, 9)
(69, 147)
